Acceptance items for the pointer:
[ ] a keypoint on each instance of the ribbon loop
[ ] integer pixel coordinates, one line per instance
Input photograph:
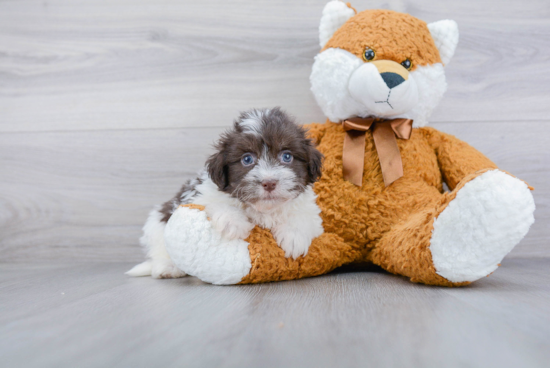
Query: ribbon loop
(360, 124)
(384, 133)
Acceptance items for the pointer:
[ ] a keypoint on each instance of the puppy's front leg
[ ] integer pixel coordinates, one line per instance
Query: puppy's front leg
(230, 221)
(295, 233)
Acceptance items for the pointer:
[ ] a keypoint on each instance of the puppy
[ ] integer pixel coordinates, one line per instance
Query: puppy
(261, 174)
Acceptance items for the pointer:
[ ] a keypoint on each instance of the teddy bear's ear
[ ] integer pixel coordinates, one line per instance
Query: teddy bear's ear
(445, 35)
(335, 14)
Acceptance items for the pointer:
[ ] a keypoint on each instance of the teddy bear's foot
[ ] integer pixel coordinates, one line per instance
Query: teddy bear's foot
(485, 221)
(199, 250)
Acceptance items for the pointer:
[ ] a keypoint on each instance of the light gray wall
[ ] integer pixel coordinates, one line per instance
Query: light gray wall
(107, 106)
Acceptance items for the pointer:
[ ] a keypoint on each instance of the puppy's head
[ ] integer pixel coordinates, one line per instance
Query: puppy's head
(265, 159)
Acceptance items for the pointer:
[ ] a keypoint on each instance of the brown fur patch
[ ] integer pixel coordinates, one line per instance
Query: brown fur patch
(393, 36)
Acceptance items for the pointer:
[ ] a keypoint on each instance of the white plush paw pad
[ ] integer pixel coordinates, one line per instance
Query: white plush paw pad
(199, 250)
(488, 217)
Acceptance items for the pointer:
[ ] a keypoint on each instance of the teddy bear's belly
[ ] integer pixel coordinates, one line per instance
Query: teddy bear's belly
(362, 215)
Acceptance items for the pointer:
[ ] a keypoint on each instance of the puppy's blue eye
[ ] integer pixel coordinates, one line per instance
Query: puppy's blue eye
(247, 160)
(286, 157)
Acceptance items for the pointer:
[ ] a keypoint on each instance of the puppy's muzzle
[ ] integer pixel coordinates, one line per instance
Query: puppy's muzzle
(269, 185)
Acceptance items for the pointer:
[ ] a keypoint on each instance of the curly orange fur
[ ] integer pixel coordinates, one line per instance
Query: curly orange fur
(410, 37)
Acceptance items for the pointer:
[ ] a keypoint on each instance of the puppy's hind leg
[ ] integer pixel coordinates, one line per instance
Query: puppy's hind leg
(158, 265)
(141, 269)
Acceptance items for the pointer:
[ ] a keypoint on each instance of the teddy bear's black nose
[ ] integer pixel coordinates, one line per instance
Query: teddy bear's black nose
(392, 79)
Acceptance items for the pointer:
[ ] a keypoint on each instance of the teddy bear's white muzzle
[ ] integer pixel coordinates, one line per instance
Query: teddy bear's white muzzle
(384, 94)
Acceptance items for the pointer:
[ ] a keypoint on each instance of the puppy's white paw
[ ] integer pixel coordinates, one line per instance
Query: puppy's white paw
(232, 225)
(165, 269)
(293, 242)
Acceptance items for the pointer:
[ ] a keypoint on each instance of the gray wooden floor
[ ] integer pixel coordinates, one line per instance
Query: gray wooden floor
(107, 106)
(90, 315)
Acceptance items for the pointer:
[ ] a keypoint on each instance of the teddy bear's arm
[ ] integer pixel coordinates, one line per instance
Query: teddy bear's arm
(456, 158)
(315, 131)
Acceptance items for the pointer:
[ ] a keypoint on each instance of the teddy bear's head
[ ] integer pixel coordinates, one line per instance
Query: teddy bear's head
(380, 63)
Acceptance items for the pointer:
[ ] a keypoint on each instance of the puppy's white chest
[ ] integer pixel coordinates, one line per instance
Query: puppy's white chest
(268, 218)
(293, 225)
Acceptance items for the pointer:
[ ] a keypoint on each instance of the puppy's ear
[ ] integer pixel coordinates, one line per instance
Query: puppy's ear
(315, 163)
(217, 169)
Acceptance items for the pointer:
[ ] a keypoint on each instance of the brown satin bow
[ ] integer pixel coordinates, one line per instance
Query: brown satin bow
(384, 132)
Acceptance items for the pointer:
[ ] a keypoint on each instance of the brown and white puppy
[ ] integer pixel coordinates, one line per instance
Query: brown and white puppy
(261, 174)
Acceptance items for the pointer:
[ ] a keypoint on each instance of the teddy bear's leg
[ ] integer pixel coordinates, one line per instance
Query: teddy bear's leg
(465, 236)
(269, 263)
(200, 251)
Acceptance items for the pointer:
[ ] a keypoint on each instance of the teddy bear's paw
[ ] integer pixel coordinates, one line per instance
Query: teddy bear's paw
(165, 269)
(199, 250)
(488, 217)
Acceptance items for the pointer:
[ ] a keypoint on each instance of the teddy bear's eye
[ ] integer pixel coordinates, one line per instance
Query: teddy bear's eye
(407, 64)
(369, 54)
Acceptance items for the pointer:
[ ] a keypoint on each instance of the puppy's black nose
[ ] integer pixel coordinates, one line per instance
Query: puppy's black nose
(269, 185)
(392, 79)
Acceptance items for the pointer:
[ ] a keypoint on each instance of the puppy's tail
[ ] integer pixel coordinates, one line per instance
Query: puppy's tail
(142, 269)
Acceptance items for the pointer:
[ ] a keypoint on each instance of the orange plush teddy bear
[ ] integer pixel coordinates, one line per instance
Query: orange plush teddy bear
(377, 78)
